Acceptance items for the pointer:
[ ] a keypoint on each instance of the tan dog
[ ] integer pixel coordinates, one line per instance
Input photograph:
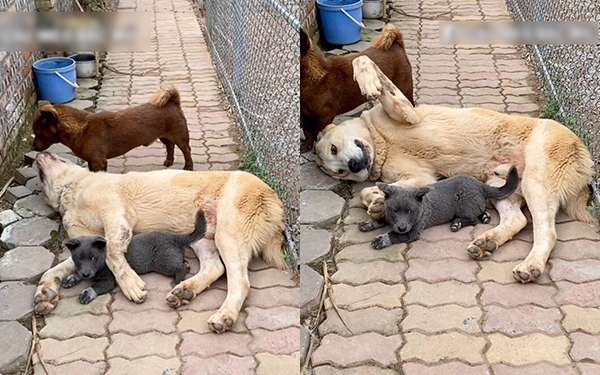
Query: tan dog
(249, 221)
(409, 146)
(96, 137)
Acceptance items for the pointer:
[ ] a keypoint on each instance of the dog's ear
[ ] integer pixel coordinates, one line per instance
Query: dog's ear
(420, 192)
(304, 42)
(388, 190)
(47, 111)
(324, 131)
(99, 243)
(71, 244)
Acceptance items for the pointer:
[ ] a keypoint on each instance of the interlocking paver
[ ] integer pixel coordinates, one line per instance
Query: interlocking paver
(451, 345)
(349, 351)
(511, 295)
(61, 328)
(584, 295)
(78, 348)
(221, 364)
(528, 349)
(442, 318)
(278, 364)
(153, 343)
(522, 319)
(441, 293)
(579, 318)
(452, 368)
(371, 319)
(146, 365)
(441, 270)
(541, 369)
(579, 271)
(208, 345)
(363, 273)
(585, 347)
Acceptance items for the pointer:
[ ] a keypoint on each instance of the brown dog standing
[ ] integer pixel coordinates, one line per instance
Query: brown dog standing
(327, 86)
(96, 137)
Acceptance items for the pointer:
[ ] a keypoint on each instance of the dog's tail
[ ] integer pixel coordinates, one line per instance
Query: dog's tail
(386, 38)
(576, 207)
(198, 233)
(166, 94)
(512, 182)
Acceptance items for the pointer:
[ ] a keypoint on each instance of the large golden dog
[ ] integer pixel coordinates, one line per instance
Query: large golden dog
(248, 214)
(409, 146)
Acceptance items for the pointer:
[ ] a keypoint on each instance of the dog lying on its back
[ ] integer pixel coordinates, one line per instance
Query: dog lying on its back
(327, 86)
(460, 200)
(96, 137)
(160, 252)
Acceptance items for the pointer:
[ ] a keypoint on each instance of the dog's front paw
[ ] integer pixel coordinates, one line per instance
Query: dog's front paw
(381, 241)
(377, 208)
(366, 226)
(179, 296)
(87, 295)
(455, 227)
(482, 247)
(70, 281)
(45, 300)
(528, 271)
(222, 321)
(133, 286)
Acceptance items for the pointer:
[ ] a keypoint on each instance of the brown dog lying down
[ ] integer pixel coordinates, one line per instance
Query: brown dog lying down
(96, 137)
(327, 86)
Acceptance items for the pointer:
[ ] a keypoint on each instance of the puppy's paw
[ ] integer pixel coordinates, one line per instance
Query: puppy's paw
(485, 217)
(45, 300)
(221, 321)
(70, 281)
(87, 295)
(455, 227)
(381, 241)
(366, 226)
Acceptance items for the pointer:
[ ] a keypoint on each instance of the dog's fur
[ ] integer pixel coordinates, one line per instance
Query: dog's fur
(96, 137)
(161, 252)
(410, 146)
(247, 219)
(410, 210)
(326, 85)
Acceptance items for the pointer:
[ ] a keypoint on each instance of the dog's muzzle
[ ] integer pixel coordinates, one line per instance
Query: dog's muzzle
(357, 165)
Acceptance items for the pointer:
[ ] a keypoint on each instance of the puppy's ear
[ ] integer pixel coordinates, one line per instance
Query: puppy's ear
(327, 129)
(304, 42)
(388, 190)
(71, 244)
(99, 243)
(47, 112)
(420, 192)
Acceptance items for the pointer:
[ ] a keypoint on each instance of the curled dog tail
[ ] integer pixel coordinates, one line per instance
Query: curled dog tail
(576, 207)
(198, 233)
(386, 38)
(166, 94)
(512, 182)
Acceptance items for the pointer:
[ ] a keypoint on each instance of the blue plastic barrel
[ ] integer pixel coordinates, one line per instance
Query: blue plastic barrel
(338, 27)
(56, 79)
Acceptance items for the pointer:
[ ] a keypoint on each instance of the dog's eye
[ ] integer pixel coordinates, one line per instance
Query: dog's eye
(93, 259)
(340, 171)
(408, 211)
(333, 150)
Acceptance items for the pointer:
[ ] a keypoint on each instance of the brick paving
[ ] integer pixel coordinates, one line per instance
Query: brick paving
(112, 335)
(427, 308)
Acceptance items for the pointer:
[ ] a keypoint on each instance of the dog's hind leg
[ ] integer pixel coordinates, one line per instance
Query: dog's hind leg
(170, 146)
(543, 206)
(182, 140)
(211, 268)
(512, 221)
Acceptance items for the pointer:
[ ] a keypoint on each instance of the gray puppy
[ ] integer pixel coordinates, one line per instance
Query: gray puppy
(160, 252)
(460, 200)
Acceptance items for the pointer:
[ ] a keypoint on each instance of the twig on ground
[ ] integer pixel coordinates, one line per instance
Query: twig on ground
(6, 185)
(323, 296)
(308, 352)
(433, 18)
(115, 70)
(36, 345)
(79, 5)
(331, 299)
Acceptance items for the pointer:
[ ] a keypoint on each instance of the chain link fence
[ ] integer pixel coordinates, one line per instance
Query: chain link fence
(255, 45)
(569, 74)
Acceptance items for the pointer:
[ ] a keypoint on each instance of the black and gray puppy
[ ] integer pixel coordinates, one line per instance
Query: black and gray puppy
(160, 252)
(460, 200)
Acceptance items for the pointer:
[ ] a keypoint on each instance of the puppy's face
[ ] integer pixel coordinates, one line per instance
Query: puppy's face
(403, 206)
(45, 126)
(345, 151)
(88, 254)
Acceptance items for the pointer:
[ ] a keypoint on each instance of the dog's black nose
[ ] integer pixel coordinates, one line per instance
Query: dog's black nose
(355, 166)
(85, 275)
(402, 228)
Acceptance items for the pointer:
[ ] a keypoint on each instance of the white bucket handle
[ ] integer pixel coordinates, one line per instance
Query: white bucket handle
(352, 18)
(67, 81)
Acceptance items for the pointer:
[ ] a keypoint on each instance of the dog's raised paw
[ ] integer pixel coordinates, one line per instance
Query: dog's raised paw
(381, 241)
(87, 295)
(179, 296)
(221, 322)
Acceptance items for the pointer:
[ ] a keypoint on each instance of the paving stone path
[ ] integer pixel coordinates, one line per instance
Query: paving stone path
(428, 308)
(112, 335)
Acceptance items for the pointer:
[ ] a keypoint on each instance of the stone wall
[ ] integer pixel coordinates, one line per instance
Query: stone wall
(17, 89)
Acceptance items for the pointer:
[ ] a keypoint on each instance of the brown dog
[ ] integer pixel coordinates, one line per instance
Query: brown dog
(327, 86)
(96, 137)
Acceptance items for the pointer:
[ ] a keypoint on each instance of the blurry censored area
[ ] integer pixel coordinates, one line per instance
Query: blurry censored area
(569, 74)
(254, 46)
